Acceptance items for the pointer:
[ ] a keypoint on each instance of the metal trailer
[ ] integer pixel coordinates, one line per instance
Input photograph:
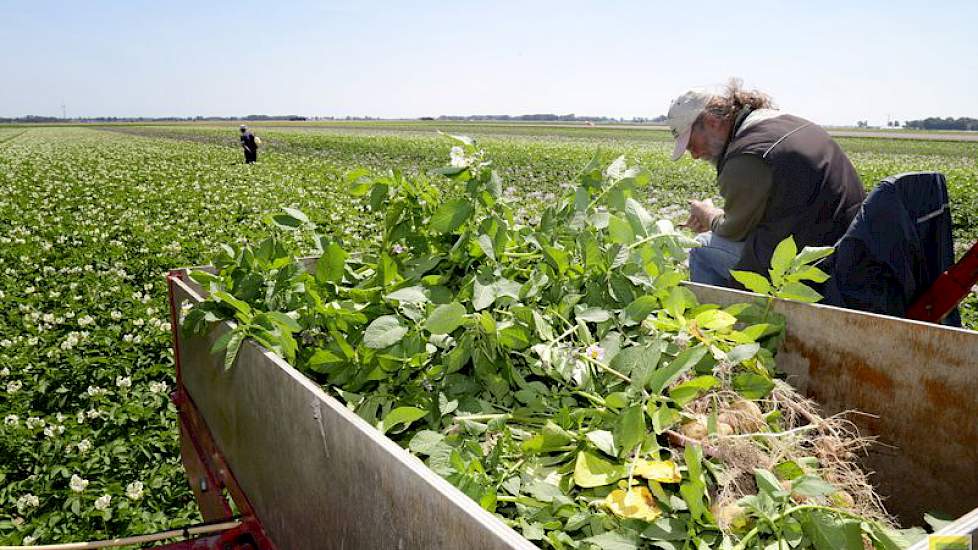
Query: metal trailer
(305, 472)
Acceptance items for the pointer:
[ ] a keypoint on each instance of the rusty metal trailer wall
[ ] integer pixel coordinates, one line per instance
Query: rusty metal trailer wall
(320, 477)
(919, 380)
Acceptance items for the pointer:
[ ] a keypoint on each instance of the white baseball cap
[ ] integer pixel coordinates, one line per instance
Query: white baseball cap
(682, 114)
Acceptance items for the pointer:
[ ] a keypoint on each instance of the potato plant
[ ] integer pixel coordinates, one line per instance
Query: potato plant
(556, 372)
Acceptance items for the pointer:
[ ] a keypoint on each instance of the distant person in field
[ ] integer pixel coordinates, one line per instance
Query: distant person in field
(250, 145)
(778, 174)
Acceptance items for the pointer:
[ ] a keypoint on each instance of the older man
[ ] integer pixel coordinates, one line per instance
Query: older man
(778, 174)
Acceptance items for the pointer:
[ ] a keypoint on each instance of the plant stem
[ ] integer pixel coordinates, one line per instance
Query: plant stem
(604, 367)
(753, 532)
(591, 397)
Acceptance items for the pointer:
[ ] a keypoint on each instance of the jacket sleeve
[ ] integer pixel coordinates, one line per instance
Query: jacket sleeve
(745, 184)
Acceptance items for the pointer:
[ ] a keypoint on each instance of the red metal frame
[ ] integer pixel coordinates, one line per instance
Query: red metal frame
(207, 471)
(948, 290)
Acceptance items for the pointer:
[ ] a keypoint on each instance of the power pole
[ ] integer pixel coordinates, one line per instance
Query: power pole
(64, 111)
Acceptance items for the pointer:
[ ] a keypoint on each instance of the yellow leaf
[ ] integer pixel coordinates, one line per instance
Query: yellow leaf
(664, 471)
(592, 471)
(635, 503)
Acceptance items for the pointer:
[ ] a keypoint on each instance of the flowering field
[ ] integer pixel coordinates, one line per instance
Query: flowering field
(90, 221)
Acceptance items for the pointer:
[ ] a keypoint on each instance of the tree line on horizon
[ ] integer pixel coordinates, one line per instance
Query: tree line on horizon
(947, 123)
(930, 123)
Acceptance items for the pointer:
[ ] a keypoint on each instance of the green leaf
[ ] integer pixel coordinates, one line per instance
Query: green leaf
(615, 540)
(810, 273)
(603, 440)
(663, 417)
(551, 438)
(675, 302)
(811, 254)
(483, 295)
(812, 486)
(752, 385)
(204, 278)
(283, 320)
(677, 367)
(297, 214)
(798, 292)
(592, 471)
(666, 529)
(789, 470)
(425, 442)
(617, 400)
(767, 483)
(401, 416)
(620, 230)
(485, 243)
(827, 532)
(329, 266)
(445, 318)
(411, 294)
(641, 307)
(557, 257)
(543, 328)
(638, 363)
(638, 217)
(688, 391)
(743, 352)
(630, 429)
(323, 357)
(715, 319)
(594, 315)
(464, 140)
(693, 492)
(234, 345)
(285, 221)
(384, 331)
(514, 337)
(782, 258)
(359, 182)
(752, 281)
(451, 215)
(937, 521)
(891, 539)
(227, 298)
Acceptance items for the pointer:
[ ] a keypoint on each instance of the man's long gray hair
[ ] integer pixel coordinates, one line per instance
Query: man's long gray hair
(735, 98)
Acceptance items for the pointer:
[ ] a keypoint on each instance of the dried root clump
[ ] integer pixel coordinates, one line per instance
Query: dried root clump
(745, 440)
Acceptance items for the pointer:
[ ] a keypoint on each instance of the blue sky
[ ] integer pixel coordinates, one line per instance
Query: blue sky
(834, 62)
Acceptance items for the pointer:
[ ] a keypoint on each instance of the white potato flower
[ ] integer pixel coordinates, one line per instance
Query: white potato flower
(134, 490)
(77, 483)
(84, 446)
(27, 501)
(457, 155)
(102, 502)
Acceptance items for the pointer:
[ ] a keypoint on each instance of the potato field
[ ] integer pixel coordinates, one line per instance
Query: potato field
(92, 218)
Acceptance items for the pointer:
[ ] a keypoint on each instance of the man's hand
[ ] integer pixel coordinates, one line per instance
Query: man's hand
(701, 214)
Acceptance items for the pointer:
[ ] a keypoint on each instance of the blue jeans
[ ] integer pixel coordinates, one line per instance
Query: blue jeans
(711, 263)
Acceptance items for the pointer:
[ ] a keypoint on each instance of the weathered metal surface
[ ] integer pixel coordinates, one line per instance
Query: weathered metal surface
(920, 381)
(966, 525)
(317, 475)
